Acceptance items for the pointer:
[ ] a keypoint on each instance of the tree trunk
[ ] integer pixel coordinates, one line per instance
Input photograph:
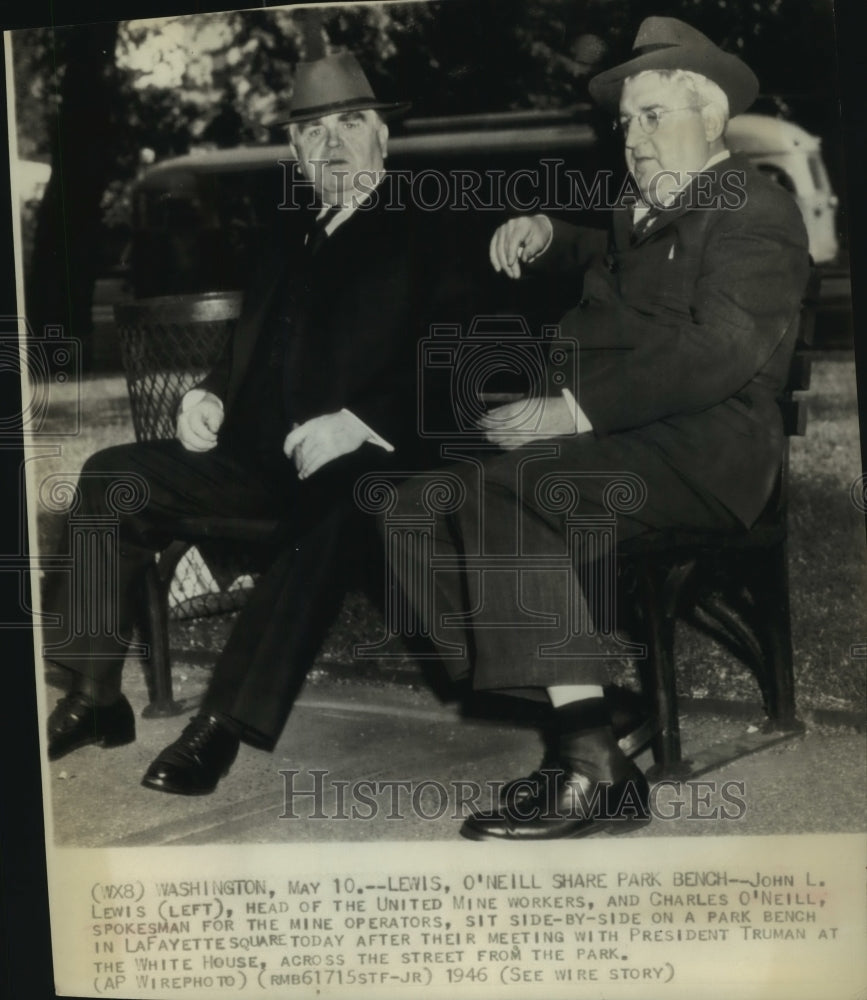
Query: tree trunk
(67, 246)
(314, 36)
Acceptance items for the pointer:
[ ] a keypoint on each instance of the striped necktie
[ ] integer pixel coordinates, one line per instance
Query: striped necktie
(318, 235)
(645, 224)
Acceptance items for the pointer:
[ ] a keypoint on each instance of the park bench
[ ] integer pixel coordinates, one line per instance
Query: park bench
(733, 586)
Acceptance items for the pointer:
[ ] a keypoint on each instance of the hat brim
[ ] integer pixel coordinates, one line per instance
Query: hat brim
(385, 109)
(733, 76)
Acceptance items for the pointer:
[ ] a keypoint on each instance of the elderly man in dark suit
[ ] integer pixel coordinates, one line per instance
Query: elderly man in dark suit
(318, 385)
(685, 326)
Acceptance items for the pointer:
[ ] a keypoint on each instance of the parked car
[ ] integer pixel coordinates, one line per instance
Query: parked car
(793, 158)
(198, 217)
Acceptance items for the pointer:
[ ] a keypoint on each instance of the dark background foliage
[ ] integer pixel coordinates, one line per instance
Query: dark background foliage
(804, 64)
(100, 100)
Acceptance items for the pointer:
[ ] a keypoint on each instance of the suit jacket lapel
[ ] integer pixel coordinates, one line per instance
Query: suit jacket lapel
(253, 319)
(688, 200)
(621, 225)
(351, 230)
(662, 219)
(278, 269)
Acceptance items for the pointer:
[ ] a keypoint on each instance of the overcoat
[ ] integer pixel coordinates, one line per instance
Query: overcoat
(686, 332)
(681, 336)
(319, 331)
(356, 309)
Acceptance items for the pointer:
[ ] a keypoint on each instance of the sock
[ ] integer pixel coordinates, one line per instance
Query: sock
(578, 716)
(100, 693)
(586, 740)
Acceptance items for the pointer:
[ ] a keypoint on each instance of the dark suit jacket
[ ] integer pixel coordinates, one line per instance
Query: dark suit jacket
(686, 334)
(358, 307)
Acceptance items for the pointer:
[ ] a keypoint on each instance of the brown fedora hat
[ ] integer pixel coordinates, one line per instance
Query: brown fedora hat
(666, 43)
(331, 85)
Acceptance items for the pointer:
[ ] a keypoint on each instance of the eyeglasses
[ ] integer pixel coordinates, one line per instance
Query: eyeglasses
(648, 120)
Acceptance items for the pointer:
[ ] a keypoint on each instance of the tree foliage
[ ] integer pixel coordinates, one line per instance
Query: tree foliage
(100, 100)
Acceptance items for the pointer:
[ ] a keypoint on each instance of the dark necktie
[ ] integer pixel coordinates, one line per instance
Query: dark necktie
(645, 224)
(318, 235)
(658, 214)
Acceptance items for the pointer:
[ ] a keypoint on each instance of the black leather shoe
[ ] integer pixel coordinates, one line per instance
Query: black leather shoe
(77, 722)
(196, 761)
(569, 803)
(520, 789)
(632, 727)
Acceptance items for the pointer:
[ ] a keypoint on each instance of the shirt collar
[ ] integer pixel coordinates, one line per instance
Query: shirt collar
(354, 204)
(640, 209)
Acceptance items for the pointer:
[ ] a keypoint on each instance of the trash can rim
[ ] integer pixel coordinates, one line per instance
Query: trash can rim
(188, 307)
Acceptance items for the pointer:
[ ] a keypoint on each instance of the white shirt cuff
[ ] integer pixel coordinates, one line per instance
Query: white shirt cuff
(582, 424)
(194, 396)
(372, 436)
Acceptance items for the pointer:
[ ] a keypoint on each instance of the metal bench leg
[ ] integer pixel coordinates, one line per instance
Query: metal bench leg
(771, 594)
(157, 582)
(658, 675)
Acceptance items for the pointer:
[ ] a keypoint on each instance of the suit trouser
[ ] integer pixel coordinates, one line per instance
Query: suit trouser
(528, 522)
(280, 629)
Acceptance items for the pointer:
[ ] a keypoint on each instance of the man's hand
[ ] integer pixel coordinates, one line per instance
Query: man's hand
(518, 423)
(321, 439)
(198, 424)
(517, 240)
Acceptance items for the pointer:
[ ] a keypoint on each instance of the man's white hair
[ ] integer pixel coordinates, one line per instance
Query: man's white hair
(705, 92)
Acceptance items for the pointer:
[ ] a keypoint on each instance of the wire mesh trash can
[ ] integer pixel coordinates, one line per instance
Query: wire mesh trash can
(168, 344)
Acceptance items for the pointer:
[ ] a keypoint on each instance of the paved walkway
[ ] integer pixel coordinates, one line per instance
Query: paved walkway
(400, 761)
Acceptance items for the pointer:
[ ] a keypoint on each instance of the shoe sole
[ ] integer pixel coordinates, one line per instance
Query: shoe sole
(157, 785)
(103, 742)
(615, 827)
(161, 785)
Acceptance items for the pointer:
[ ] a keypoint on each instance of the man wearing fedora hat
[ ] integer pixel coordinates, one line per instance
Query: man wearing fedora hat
(685, 327)
(318, 384)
